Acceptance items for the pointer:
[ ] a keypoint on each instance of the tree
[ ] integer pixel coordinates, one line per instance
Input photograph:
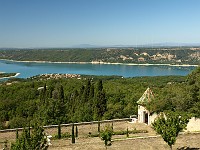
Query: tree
(91, 95)
(59, 131)
(34, 141)
(76, 131)
(169, 124)
(17, 134)
(99, 126)
(61, 93)
(101, 104)
(99, 85)
(100, 101)
(73, 136)
(127, 133)
(106, 135)
(43, 93)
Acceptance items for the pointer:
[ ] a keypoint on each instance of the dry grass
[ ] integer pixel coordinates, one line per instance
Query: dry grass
(120, 142)
(186, 141)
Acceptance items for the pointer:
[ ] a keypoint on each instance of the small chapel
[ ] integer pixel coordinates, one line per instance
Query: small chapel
(144, 116)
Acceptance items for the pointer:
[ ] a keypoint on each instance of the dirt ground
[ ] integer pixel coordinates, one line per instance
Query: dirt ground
(140, 141)
(184, 142)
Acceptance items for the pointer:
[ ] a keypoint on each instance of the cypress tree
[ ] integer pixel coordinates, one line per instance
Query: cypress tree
(101, 104)
(99, 126)
(81, 91)
(44, 93)
(91, 91)
(73, 137)
(87, 88)
(76, 131)
(99, 85)
(127, 133)
(59, 131)
(61, 94)
(112, 126)
(17, 134)
(51, 91)
(29, 130)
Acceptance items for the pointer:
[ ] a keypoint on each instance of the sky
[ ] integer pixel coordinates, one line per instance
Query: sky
(66, 23)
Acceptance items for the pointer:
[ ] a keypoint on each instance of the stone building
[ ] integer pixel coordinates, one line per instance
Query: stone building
(144, 115)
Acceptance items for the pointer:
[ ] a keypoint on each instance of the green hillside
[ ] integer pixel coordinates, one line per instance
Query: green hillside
(89, 98)
(183, 55)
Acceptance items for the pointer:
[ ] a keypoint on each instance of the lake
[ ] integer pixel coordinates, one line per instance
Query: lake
(28, 69)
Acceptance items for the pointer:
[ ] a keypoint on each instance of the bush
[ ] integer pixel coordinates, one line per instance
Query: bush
(106, 135)
(31, 140)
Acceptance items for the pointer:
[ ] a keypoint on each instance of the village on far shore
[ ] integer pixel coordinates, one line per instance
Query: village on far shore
(56, 76)
(115, 55)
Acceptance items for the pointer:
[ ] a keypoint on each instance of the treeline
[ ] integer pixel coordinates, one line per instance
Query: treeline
(30, 101)
(27, 103)
(180, 97)
(121, 55)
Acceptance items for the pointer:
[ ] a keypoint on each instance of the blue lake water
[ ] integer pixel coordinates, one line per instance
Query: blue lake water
(28, 69)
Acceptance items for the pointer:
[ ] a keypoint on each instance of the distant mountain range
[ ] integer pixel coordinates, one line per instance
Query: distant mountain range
(167, 44)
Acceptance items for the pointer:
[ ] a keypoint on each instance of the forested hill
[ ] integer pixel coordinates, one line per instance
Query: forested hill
(184, 55)
(182, 97)
(87, 98)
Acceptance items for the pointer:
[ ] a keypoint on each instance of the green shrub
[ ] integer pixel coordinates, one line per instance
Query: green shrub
(106, 135)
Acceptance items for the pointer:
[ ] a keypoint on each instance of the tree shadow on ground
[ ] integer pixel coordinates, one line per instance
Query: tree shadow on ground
(188, 148)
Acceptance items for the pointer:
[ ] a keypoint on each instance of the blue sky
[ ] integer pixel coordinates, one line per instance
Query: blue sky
(63, 23)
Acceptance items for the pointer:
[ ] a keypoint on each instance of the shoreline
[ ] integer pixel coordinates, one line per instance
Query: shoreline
(106, 63)
(17, 74)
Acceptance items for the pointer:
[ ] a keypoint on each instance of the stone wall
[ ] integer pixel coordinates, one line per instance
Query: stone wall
(193, 125)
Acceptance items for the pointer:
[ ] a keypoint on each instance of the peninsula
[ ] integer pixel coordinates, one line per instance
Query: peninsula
(8, 75)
